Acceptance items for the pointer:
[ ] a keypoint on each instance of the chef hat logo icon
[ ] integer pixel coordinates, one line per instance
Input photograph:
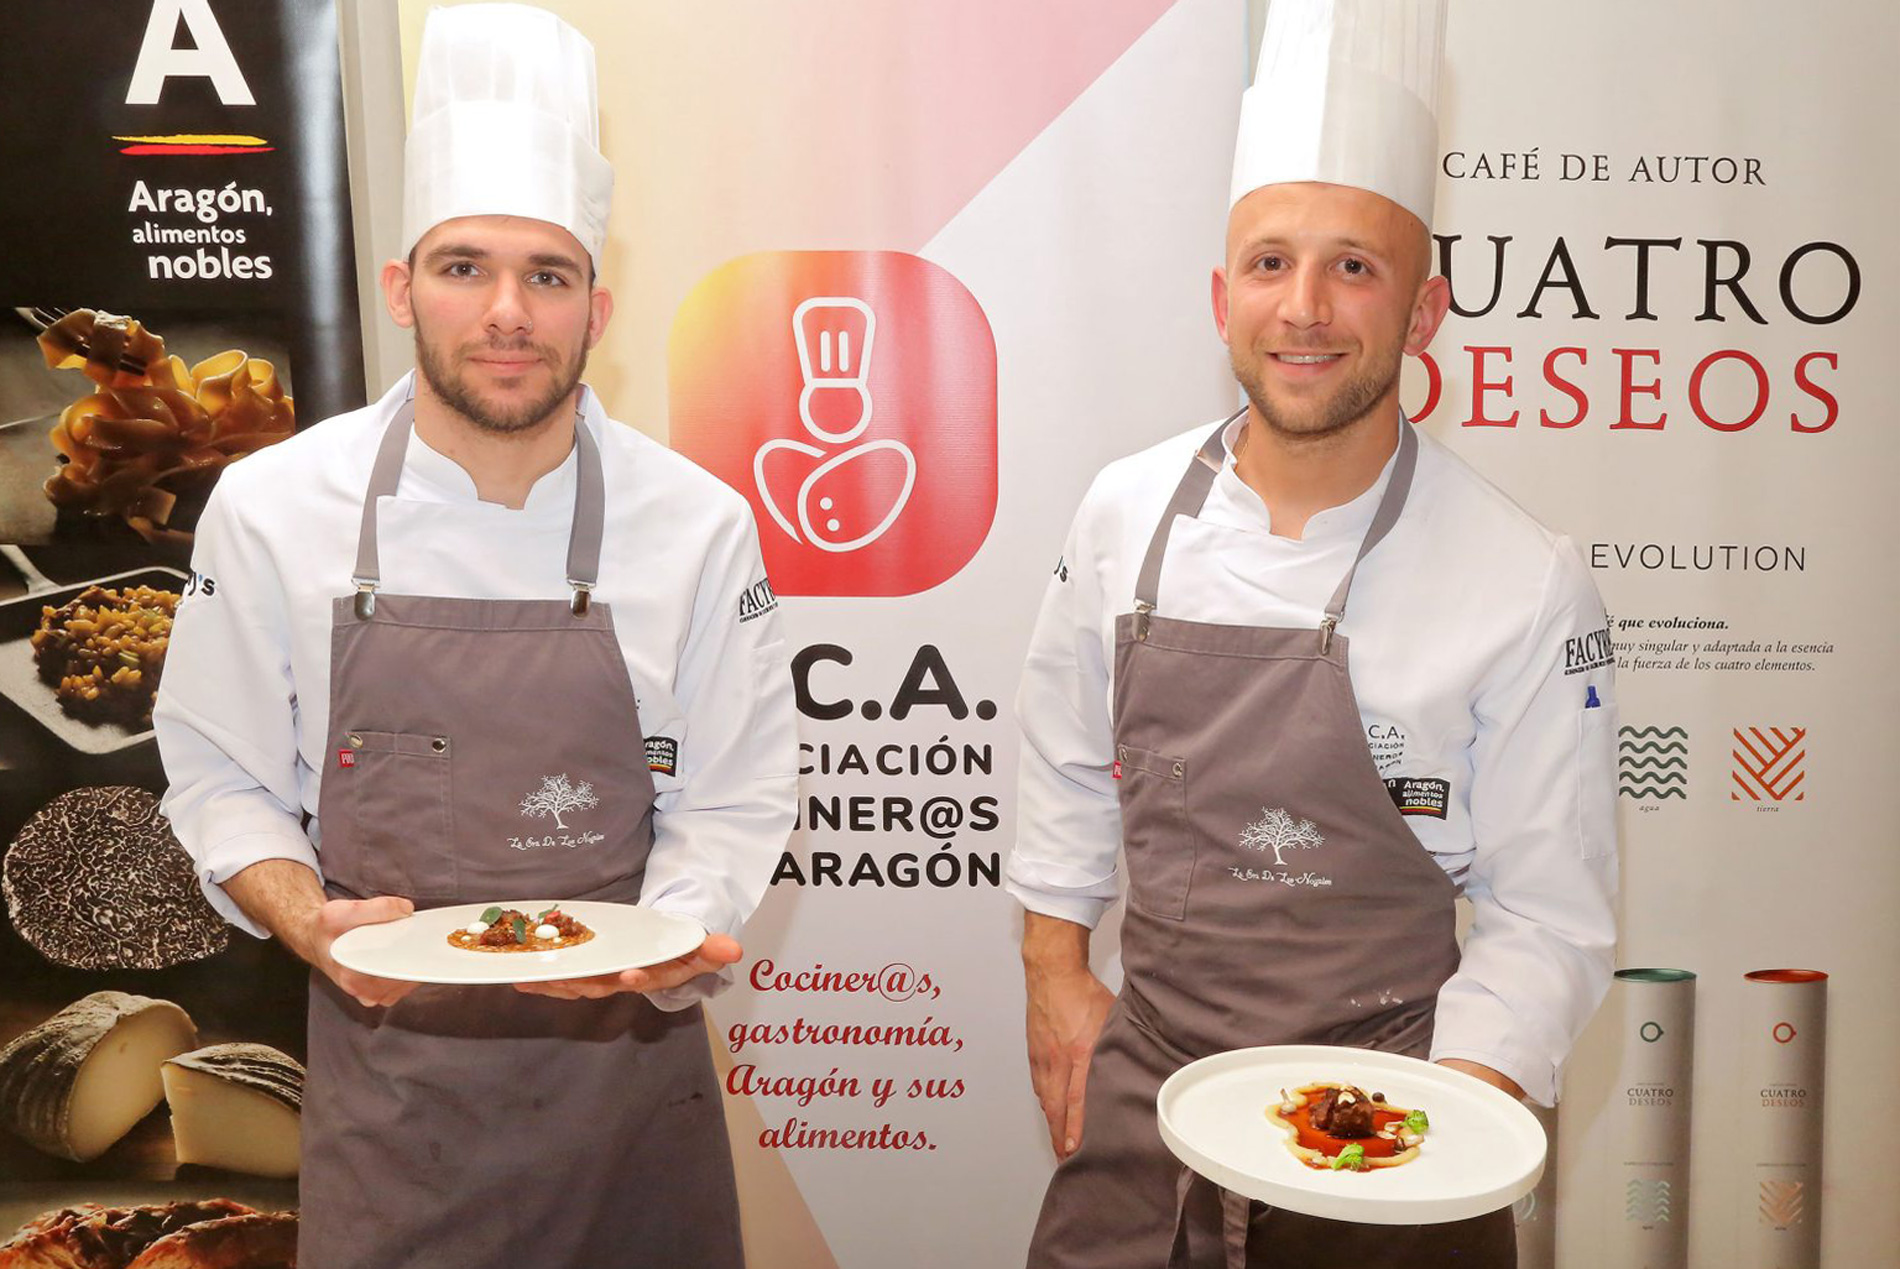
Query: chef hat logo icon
(851, 398)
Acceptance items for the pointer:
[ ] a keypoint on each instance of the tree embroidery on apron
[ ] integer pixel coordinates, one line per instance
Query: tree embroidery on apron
(557, 797)
(1276, 830)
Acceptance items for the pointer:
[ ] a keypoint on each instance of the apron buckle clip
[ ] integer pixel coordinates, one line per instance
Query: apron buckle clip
(582, 600)
(1142, 609)
(365, 599)
(1326, 625)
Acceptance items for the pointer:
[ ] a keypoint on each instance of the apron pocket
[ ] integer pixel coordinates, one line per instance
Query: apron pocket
(1155, 831)
(400, 795)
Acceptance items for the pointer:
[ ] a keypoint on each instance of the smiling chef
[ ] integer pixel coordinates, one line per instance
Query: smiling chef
(410, 628)
(1316, 678)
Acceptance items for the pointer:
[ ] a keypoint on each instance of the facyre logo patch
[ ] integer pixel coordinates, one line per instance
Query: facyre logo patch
(1589, 652)
(1278, 831)
(757, 600)
(662, 754)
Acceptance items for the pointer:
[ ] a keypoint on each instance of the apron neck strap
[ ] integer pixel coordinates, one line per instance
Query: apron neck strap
(1191, 495)
(584, 539)
(1382, 521)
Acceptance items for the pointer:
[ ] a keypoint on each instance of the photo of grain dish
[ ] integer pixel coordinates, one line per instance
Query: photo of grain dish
(1340, 1127)
(153, 429)
(104, 651)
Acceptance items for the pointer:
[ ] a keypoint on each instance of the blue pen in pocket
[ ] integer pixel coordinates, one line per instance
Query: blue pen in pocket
(1590, 701)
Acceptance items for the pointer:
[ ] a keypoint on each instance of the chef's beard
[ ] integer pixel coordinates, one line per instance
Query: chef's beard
(454, 391)
(1351, 402)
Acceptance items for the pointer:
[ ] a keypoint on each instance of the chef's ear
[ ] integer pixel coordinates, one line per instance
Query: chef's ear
(398, 276)
(600, 308)
(1220, 302)
(1428, 313)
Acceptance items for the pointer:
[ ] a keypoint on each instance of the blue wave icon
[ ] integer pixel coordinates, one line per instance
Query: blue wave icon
(1652, 762)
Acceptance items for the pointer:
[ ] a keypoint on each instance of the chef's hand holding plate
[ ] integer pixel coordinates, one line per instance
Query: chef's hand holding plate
(1067, 1005)
(286, 898)
(717, 952)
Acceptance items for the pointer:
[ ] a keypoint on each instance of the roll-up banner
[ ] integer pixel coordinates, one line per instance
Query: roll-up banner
(1667, 231)
(905, 276)
(177, 290)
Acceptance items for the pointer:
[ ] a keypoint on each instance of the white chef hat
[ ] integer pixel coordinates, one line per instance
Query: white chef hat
(506, 124)
(1346, 92)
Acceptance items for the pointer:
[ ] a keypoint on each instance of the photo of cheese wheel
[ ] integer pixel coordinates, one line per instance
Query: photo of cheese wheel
(76, 1083)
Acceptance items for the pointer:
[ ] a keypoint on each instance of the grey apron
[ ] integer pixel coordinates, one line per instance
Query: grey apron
(1275, 896)
(477, 1126)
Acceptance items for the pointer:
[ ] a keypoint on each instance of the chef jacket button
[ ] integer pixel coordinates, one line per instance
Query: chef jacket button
(439, 744)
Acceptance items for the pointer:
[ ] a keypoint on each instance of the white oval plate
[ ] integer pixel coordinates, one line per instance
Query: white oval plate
(416, 949)
(1484, 1151)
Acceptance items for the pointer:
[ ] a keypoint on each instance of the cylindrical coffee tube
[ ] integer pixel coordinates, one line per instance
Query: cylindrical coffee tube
(1536, 1212)
(1784, 1055)
(1649, 1137)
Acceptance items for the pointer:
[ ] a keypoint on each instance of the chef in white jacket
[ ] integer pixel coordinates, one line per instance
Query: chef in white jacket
(481, 642)
(1300, 680)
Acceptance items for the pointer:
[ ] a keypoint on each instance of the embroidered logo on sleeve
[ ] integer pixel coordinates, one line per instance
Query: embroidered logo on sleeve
(1420, 797)
(757, 600)
(1589, 652)
(662, 754)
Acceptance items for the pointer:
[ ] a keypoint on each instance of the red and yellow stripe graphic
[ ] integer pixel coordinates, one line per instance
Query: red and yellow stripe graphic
(195, 143)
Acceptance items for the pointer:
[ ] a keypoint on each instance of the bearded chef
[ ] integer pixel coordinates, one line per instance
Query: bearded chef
(1317, 679)
(408, 620)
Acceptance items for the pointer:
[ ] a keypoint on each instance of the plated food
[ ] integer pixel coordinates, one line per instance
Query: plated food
(500, 929)
(95, 880)
(153, 430)
(215, 1233)
(103, 652)
(442, 945)
(1335, 1127)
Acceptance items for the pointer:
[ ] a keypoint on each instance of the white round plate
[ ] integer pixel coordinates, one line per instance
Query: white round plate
(1484, 1151)
(416, 949)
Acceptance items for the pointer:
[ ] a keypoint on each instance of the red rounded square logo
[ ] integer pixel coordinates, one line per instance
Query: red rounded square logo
(851, 397)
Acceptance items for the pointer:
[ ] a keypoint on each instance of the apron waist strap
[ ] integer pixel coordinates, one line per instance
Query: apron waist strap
(1210, 1225)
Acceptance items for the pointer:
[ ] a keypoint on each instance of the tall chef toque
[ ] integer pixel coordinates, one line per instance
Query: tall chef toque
(1346, 92)
(506, 124)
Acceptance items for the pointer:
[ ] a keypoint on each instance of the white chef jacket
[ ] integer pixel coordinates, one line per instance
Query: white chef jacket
(1479, 656)
(243, 710)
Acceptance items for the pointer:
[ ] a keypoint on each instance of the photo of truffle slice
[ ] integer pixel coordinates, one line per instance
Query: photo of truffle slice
(236, 1106)
(1341, 1127)
(79, 1081)
(212, 1233)
(95, 880)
